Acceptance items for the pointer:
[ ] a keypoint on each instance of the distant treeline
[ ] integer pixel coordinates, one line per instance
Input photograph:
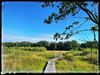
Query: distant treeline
(68, 45)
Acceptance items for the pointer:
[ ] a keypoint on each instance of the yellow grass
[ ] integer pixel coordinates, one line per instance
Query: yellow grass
(56, 51)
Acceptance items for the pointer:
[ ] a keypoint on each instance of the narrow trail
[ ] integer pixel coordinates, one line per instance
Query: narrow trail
(50, 68)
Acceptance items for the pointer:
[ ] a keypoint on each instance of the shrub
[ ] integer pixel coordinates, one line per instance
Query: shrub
(88, 50)
(93, 59)
(69, 57)
(75, 52)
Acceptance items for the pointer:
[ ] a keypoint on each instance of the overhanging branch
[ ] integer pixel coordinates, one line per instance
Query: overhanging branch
(90, 14)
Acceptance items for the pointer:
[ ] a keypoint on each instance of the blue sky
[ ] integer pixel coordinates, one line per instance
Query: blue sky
(23, 21)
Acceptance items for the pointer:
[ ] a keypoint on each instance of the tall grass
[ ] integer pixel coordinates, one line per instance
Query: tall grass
(75, 66)
(19, 60)
(34, 59)
(24, 63)
(78, 61)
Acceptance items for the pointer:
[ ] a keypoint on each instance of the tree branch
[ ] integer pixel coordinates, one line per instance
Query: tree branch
(81, 24)
(81, 31)
(90, 14)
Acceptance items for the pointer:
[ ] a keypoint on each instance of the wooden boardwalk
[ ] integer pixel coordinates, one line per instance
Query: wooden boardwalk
(50, 68)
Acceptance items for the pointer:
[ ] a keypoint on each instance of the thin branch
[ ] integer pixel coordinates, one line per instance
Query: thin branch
(81, 31)
(83, 40)
(80, 17)
(80, 25)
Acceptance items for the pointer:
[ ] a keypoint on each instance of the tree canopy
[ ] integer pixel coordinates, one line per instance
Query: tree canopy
(67, 45)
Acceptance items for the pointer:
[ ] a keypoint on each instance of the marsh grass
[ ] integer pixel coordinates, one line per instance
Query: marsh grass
(78, 61)
(20, 60)
(75, 66)
(24, 63)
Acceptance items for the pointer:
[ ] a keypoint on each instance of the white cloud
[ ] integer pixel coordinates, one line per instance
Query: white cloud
(14, 38)
(36, 38)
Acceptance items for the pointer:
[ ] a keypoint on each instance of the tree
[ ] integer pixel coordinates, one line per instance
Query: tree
(51, 46)
(67, 45)
(72, 8)
(60, 46)
(89, 44)
(43, 43)
(9, 44)
(75, 45)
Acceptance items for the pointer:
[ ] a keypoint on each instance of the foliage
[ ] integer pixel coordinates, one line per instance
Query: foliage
(72, 8)
(60, 45)
(18, 59)
(51, 46)
(39, 49)
(75, 45)
(22, 50)
(93, 59)
(86, 51)
(69, 57)
(42, 43)
(90, 58)
(89, 44)
(75, 66)
(67, 45)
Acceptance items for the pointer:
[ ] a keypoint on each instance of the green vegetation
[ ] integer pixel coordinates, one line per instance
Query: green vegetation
(20, 59)
(75, 66)
(27, 56)
(24, 63)
(78, 61)
(67, 45)
(34, 59)
(37, 49)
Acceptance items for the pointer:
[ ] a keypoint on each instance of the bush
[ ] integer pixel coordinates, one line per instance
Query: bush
(86, 51)
(75, 52)
(69, 57)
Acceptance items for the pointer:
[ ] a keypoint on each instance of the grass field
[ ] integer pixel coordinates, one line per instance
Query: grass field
(25, 60)
(29, 60)
(78, 61)
(16, 59)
